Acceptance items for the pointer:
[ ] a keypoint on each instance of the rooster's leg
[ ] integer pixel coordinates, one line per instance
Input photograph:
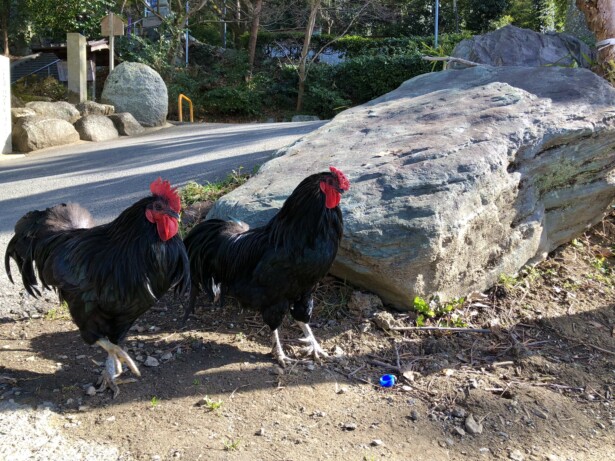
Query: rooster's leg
(113, 366)
(278, 353)
(312, 348)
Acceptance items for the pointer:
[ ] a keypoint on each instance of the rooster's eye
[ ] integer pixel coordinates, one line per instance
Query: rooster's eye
(157, 206)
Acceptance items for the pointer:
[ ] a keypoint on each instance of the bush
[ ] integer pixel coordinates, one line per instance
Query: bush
(366, 77)
(241, 99)
(33, 87)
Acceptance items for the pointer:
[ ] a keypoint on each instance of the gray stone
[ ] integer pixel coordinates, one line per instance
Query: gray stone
(456, 177)
(126, 124)
(96, 128)
(59, 109)
(512, 46)
(18, 112)
(38, 132)
(94, 108)
(472, 426)
(138, 89)
(151, 362)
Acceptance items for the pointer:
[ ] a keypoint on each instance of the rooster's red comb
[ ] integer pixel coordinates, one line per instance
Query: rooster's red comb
(341, 178)
(164, 189)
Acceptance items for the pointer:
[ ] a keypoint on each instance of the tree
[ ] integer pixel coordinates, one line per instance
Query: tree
(309, 29)
(256, 17)
(600, 17)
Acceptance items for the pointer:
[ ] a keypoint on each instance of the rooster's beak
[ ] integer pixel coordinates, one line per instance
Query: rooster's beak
(172, 214)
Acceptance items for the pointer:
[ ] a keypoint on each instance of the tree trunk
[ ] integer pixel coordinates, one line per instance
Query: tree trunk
(600, 17)
(314, 7)
(4, 25)
(256, 18)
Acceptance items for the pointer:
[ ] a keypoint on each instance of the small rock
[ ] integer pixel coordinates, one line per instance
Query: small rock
(516, 455)
(277, 370)
(338, 352)
(167, 356)
(414, 415)
(310, 367)
(406, 388)
(376, 443)
(319, 414)
(409, 375)
(342, 390)
(83, 408)
(472, 426)
(553, 458)
(80, 357)
(349, 426)
(90, 391)
(110, 419)
(260, 432)
(151, 362)
(459, 431)
(458, 413)
(449, 442)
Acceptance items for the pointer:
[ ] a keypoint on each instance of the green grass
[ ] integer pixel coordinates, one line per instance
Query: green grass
(210, 404)
(194, 192)
(58, 313)
(155, 401)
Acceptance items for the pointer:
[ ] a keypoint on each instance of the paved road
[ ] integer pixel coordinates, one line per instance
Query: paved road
(109, 176)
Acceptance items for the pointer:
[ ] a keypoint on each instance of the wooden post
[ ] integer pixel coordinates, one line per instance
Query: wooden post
(111, 26)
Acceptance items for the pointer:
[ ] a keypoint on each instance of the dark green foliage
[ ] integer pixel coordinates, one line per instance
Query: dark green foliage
(366, 77)
(33, 88)
(236, 100)
(480, 13)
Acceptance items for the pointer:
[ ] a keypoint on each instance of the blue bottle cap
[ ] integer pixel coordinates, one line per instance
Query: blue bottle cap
(387, 380)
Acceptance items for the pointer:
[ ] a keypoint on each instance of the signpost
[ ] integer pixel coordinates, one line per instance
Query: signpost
(111, 26)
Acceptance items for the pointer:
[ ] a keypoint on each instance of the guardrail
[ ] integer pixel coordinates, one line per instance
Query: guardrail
(181, 112)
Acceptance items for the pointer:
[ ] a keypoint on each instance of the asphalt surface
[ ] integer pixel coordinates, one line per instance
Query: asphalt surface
(107, 177)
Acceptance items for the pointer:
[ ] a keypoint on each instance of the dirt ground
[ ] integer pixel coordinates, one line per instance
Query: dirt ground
(533, 378)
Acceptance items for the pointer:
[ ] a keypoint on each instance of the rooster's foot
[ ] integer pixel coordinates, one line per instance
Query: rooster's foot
(113, 367)
(312, 348)
(278, 352)
(106, 381)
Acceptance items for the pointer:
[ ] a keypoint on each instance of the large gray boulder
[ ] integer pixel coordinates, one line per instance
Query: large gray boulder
(94, 108)
(513, 46)
(456, 177)
(59, 109)
(138, 89)
(126, 124)
(96, 128)
(38, 132)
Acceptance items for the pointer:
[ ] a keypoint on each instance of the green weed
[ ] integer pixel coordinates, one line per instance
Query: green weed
(231, 445)
(58, 313)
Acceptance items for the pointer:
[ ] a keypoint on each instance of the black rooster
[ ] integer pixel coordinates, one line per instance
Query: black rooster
(33, 227)
(273, 268)
(108, 275)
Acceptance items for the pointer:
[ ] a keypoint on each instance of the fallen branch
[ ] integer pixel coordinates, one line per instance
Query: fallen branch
(448, 59)
(483, 331)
